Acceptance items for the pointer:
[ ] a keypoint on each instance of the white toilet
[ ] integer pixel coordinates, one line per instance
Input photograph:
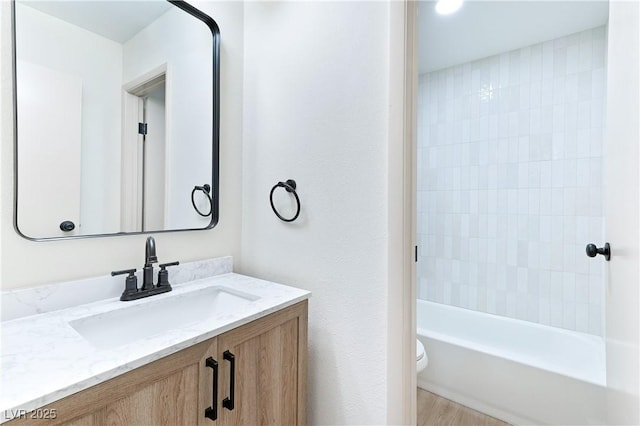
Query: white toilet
(421, 357)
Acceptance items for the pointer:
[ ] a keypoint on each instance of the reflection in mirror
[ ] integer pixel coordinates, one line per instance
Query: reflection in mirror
(115, 119)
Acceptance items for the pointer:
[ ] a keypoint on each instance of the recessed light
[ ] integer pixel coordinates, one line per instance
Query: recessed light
(447, 7)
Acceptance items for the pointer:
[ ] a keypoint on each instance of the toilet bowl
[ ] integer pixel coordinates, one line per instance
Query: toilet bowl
(421, 357)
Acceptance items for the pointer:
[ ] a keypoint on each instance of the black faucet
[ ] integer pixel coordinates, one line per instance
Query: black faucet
(131, 291)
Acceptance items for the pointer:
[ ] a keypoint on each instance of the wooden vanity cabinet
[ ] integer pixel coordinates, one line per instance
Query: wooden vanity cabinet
(270, 365)
(269, 382)
(270, 379)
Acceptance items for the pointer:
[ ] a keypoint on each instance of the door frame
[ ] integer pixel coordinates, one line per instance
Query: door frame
(403, 80)
(132, 179)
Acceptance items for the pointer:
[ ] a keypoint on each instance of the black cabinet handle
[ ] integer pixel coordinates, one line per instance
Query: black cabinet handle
(228, 402)
(212, 412)
(592, 251)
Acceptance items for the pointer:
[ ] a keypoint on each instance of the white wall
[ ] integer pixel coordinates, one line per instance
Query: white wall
(510, 183)
(97, 62)
(316, 110)
(184, 44)
(26, 263)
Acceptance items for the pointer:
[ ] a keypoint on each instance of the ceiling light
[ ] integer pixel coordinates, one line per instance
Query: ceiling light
(447, 7)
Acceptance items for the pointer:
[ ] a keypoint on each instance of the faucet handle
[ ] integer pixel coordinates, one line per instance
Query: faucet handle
(124, 271)
(163, 274)
(130, 284)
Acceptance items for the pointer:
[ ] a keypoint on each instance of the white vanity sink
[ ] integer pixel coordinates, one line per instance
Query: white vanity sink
(150, 317)
(77, 342)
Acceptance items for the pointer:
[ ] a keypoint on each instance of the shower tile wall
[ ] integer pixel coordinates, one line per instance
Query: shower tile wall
(510, 173)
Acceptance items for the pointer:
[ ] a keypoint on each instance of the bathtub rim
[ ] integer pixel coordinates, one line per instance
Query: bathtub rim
(598, 378)
(518, 411)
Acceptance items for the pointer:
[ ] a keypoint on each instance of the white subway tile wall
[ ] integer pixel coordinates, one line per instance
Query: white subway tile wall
(510, 167)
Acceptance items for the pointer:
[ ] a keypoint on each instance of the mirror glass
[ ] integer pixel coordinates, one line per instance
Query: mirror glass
(116, 117)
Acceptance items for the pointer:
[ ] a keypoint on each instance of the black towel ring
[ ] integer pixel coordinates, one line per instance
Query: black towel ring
(206, 189)
(289, 186)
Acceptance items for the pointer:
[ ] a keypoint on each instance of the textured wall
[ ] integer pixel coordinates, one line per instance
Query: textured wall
(316, 110)
(509, 183)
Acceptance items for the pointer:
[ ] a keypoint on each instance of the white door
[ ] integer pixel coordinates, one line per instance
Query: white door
(131, 164)
(154, 152)
(143, 156)
(49, 130)
(622, 206)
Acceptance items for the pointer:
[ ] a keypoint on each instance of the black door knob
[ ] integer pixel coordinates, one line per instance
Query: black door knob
(67, 226)
(592, 251)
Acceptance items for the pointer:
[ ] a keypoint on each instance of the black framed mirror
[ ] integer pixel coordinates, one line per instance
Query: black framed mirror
(117, 118)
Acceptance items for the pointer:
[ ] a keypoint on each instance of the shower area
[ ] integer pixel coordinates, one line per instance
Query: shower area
(511, 156)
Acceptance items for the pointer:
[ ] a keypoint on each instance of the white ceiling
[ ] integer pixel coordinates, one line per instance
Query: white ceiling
(115, 20)
(478, 30)
(485, 28)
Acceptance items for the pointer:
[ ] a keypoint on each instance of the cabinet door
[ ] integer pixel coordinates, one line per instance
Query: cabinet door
(172, 400)
(174, 390)
(179, 398)
(270, 370)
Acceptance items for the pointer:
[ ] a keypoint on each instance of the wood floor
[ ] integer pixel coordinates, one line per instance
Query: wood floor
(434, 410)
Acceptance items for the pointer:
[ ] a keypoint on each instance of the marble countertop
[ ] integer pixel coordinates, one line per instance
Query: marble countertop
(44, 359)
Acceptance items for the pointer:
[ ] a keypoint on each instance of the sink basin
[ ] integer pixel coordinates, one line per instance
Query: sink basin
(154, 317)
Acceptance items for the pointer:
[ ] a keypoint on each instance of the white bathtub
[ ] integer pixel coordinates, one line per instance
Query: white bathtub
(517, 371)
